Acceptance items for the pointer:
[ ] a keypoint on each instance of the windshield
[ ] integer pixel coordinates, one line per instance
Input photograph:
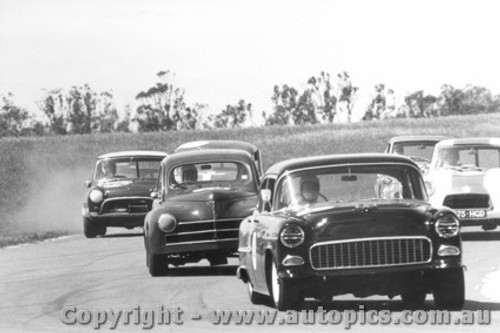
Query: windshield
(228, 175)
(419, 149)
(130, 167)
(467, 157)
(349, 184)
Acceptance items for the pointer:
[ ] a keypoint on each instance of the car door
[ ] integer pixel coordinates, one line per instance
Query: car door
(257, 236)
(159, 188)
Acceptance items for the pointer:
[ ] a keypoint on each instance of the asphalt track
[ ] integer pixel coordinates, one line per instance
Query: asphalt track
(38, 281)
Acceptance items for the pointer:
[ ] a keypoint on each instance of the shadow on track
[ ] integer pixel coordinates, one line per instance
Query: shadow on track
(123, 235)
(475, 236)
(203, 271)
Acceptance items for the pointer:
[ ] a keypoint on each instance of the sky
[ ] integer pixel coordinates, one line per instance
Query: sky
(222, 51)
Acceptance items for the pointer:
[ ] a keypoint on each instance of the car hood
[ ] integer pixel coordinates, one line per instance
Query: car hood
(379, 218)
(447, 182)
(127, 187)
(212, 203)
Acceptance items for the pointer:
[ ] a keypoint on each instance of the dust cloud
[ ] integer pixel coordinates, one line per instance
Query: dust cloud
(53, 202)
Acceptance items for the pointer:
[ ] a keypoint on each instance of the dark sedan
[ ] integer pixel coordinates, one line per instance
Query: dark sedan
(201, 198)
(119, 193)
(340, 224)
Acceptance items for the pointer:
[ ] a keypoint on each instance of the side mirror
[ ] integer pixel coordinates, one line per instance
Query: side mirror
(265, 194)
(87, 183)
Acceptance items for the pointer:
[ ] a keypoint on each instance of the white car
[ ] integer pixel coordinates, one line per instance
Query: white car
(465, 176)
(417, 147)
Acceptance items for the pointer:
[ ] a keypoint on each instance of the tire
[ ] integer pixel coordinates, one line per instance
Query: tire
(282, 291)
(414, 299)
(449, 289)
(157, 264)
(90, 230)
(255, 297)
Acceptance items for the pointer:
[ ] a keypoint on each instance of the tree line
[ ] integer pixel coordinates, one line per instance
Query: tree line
(162, 107)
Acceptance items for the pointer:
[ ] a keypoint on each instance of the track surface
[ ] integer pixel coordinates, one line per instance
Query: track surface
(37, 281)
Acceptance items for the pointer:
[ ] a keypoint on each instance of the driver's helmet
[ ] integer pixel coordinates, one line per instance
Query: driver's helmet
(309, 188)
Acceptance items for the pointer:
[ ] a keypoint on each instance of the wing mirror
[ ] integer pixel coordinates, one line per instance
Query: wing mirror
(87, 183)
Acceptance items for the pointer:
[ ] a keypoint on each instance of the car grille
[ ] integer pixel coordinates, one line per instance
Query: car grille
(204, 231)
(469, 200)
(371, 252)
(126, 205)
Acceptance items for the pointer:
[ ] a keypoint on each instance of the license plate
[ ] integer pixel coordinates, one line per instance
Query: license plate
(471, 213)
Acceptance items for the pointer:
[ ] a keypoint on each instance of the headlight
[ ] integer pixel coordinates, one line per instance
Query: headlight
(292, 236)
(447, 226)
(167, 223)
(96, 196)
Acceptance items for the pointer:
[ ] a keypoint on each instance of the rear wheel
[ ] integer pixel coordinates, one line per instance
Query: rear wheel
(90, 230)
(449, 289)
(284, 295)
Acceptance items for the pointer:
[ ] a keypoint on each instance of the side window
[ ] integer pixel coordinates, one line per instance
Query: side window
(267, 184)
(160, 183)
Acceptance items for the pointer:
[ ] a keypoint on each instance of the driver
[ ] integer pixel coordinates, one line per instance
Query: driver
(449, 157)
(107, 169)
(309, 190)
(189, 174)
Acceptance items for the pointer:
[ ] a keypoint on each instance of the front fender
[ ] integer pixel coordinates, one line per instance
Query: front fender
(152, 233)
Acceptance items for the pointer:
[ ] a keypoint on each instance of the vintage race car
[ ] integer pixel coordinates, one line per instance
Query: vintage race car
(465, 176)
(119, 192)
(418, 147)
(200, 199)
(225, 144)
(331, 225)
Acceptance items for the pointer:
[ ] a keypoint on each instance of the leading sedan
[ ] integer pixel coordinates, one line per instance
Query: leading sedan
(339, 224)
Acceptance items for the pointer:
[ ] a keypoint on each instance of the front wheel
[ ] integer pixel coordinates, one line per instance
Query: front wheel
(284, 295)
(157, 264)
(449, 289)
(414, 299)
(254, 296)
(90, 230)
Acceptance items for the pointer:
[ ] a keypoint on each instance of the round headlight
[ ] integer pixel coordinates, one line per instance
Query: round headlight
(292, 236)
(167, 223)
(447, 226)
(96, 196)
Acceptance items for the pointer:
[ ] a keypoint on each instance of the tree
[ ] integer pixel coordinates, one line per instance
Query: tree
(162, 107)
(451, 100)
(52, 105)
(346, 97)
(13, 119)
(233, 116)
(81, 110)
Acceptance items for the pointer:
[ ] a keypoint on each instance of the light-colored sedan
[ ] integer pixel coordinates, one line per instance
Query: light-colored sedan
(465, 176)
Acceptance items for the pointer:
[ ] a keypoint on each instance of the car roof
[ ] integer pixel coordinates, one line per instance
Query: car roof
(217, 144)
(205, 155)
(134, 153)
(323, 160)
(417, 138)
(471, 141)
